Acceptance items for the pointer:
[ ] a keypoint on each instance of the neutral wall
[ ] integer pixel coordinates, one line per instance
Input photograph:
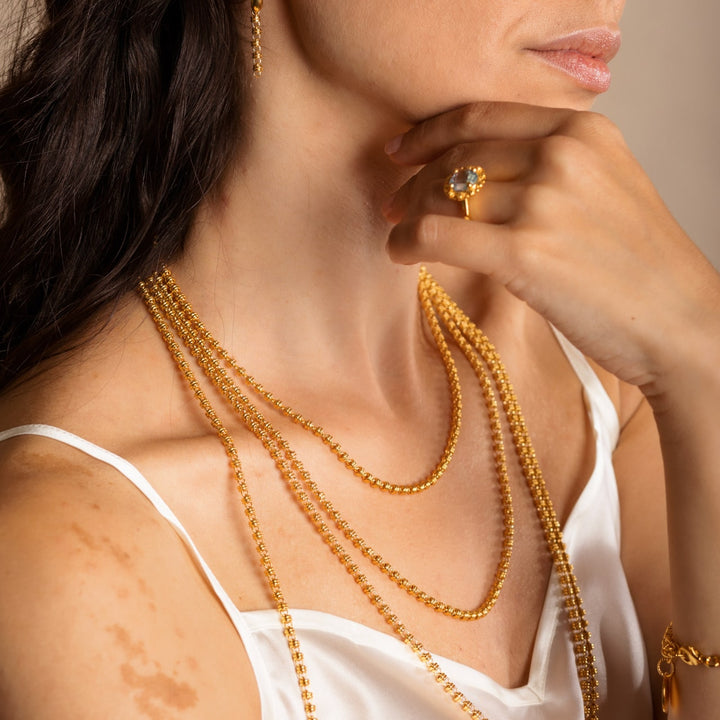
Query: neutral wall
(665, 97)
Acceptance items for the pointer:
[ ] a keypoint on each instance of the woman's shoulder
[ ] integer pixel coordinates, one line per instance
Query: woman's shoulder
(73, 530)
(69, 563)
(99, 597)
(66, 522)
(100, 600)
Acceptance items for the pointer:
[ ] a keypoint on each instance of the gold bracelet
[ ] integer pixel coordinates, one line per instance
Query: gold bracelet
(671, 651)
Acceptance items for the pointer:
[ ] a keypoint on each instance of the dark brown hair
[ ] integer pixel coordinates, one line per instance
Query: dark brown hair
(116, 119)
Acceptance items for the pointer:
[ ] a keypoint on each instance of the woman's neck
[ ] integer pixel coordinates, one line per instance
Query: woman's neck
(289, 261)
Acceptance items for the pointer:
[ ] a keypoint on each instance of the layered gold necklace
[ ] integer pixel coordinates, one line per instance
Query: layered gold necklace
(174, 317)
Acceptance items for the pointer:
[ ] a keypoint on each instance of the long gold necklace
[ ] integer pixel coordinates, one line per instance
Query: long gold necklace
(473, 344)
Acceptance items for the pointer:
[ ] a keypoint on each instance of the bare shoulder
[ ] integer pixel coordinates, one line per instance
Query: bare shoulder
(102, 612)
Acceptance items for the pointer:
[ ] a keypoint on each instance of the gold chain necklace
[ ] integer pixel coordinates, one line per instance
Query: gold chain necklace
(473, 343)
(337, 450)
(341, 454)
(207, 350)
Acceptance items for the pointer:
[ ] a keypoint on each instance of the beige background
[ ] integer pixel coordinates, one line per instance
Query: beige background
(665, 97)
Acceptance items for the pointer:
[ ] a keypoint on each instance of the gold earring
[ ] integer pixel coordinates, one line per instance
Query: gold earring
(256, 33)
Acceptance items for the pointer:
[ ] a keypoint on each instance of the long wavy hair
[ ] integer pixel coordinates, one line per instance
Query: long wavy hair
(116, 118)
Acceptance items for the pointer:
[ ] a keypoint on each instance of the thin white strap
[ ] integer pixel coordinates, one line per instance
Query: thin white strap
(140, 482)
(605, 418)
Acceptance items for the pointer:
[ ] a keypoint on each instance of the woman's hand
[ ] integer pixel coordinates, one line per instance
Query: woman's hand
(569, 223)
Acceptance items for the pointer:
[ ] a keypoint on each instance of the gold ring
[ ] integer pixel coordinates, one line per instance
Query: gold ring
(463, 183)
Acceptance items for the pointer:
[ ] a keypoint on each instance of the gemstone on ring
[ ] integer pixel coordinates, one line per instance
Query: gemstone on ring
(463, 183)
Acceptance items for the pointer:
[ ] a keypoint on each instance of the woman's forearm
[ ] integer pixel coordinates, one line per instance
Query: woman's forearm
(688, 418)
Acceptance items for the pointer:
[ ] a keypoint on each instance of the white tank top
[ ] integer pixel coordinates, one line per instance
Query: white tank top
(358, 673)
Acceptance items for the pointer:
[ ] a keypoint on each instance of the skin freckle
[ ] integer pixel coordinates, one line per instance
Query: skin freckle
(84, 536)
(121, 555)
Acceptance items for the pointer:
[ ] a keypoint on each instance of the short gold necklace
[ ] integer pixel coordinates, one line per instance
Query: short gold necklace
(341, 454)
(475, 346)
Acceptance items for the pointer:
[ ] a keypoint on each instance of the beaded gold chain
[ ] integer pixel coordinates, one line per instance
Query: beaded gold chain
(475, 346)
(341, 454)
(473, 342)
(334, 445)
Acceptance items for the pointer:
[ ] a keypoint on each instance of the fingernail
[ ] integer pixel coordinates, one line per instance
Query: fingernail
(392, 146)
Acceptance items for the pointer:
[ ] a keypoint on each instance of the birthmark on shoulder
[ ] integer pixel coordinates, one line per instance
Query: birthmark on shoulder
(103, 543)
(154, 692)
(134, 651)
(157, 692)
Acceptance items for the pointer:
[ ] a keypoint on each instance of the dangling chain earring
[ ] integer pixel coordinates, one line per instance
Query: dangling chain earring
(256, 33)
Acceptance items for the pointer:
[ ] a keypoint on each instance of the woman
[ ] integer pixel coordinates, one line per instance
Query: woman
(293, 186)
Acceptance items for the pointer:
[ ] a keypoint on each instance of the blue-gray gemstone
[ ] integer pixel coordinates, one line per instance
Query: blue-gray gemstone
(462, 180)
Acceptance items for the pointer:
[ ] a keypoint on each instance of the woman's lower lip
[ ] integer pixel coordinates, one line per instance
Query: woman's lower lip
(590, 72)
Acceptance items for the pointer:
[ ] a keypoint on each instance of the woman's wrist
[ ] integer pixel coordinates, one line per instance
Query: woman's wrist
(687, 370)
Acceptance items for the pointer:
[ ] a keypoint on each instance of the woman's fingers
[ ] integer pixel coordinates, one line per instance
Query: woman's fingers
(504, 162)
(470, 123)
